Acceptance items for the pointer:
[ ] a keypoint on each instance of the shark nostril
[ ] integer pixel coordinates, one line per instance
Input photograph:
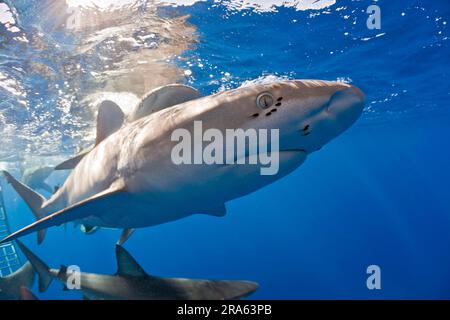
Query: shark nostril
(306, 127)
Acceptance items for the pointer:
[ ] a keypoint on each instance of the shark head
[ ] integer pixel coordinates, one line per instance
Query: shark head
(308, 113)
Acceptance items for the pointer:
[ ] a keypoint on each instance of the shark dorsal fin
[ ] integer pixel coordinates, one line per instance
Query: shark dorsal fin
(126, 265)
(163, 97)
(109, 119)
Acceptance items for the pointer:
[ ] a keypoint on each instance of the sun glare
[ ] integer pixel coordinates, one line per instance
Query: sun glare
(98, 3)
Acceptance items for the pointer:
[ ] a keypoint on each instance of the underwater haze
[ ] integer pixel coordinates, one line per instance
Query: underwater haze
(377, 195)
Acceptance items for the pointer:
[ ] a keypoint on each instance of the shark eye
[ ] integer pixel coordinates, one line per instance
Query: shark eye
(265, 100)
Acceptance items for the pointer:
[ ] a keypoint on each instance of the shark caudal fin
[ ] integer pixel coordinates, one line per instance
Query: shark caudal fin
(33, 199)
(100, 202)
(109, 119)
(45, 277)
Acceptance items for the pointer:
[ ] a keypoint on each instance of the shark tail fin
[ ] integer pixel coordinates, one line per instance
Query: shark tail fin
(33, 199)
(45, 277)
(105, 200)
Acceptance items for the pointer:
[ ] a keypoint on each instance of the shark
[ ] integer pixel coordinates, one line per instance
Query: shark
(111, 117)
(131, 282)
(129, 180)
(10, 286)
(35, 178)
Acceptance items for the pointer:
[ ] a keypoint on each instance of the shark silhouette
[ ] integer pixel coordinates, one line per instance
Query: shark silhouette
(131, 282)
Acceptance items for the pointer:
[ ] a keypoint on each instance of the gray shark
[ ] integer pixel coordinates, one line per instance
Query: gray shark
(111, 117)
(10, 286)
(35, 178)
(129, 179)
(131, 282)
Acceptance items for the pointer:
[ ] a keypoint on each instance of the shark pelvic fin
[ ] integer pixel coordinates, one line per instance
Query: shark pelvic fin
(33, 199)
(39, 266)
(164, 97)
(126, 265)
(97, 203)
(124, 236)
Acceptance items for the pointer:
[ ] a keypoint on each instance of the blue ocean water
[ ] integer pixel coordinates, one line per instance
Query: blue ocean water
(377, 195)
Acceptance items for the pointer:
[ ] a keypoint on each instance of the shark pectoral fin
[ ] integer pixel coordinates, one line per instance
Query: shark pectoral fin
(109, 119)
(33, 199)
(124, 236)
(100, 202)
(164, 97)
(39, 266)
(72, 162)
(126, 265)
(219, 211)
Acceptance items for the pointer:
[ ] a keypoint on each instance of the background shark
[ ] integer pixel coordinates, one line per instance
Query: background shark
(10, 286)
(129, 180)
(133, 283)
(35, 178)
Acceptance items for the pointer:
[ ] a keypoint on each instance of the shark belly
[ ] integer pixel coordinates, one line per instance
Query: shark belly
(180, 194)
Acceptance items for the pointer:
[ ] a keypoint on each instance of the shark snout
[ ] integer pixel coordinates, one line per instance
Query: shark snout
(347, 105)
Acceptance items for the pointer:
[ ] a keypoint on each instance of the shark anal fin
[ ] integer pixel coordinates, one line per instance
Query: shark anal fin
(124, 236)
(98, 203)
(126, 265)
